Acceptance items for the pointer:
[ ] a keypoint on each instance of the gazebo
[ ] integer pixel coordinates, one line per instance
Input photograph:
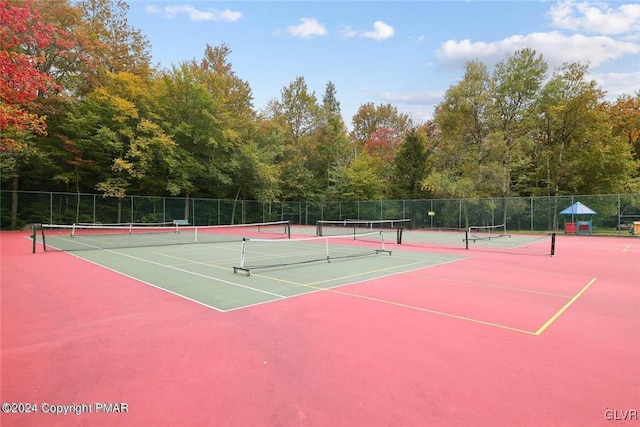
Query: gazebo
(581, 213)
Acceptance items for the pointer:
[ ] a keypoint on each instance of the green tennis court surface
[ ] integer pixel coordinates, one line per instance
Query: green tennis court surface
(204, 272)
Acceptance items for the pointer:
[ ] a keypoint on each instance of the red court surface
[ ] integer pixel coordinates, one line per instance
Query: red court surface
(495, 339)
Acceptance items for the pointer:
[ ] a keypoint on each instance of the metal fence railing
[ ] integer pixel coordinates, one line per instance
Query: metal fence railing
(615, 213)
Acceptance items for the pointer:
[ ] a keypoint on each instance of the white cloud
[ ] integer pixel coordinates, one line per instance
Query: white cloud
(419, 106)
(195, 14)
(348, 32)
(381, 31)
(617, 84)
(151, 9)
(557, 48)
(596, 18)
(308, 27)
(412, 98)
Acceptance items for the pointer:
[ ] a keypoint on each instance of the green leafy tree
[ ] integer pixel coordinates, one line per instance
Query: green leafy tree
(410, 166)
(333, 144)
(115, 46)
(189, 115)
(464, 147)
(300, 113)
(358, 181)
(131, 152)
(568, 107)
(516, 87)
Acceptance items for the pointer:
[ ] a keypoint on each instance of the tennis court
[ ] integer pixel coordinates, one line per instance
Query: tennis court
(353, 332)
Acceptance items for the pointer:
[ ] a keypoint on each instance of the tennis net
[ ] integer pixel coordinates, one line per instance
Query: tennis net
(486, 232)
(355, 227)
(99, 236)
(270, 253)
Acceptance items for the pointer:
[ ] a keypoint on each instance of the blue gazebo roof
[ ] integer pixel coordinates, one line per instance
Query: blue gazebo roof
(578, 209)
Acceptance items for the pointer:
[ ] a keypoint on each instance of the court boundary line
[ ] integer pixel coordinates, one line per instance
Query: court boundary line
(537, 332)
(215, 279)
(335, 290)
(436, 312)
(564, 308)
(386, 270)
(144, 282)
(315, 289)
(486, 285)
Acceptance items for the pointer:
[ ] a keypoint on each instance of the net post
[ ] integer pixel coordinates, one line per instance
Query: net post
(242, 251)
(44, 243)
(326, 245)
(242, 256)
(466, 238)
(73, 230)
(553, 244)
(33, 237)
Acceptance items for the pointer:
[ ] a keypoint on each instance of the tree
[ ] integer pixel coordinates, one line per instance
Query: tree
(22, 81)
(568, 107)
(410, 166)
(358, 181)
(21, 84)
(333, 145)
(115, 46)
(465, 149)
(188, 113)
(298, 110)
(132, 152)
(516, 84)
(379, 130)
(625, 119)
(383, 121)
(76, 159)
(257, 163)
(69, 58)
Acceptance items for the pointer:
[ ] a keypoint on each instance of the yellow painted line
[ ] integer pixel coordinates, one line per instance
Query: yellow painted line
(564, 308)
(412, 307)
(486, 285)
(336, 279)
(439, 313)
(626, 247)
(313, 286)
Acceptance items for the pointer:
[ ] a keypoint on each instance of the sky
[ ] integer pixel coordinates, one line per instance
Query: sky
(403, 53)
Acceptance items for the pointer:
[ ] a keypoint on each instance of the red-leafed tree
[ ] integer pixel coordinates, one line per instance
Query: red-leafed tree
(22, 81)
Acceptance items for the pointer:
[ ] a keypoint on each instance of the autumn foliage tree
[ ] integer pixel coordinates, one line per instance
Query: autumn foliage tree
(22, 31)
(22, 81)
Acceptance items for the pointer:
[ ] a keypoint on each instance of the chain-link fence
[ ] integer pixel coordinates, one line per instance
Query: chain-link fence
(615, 213)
